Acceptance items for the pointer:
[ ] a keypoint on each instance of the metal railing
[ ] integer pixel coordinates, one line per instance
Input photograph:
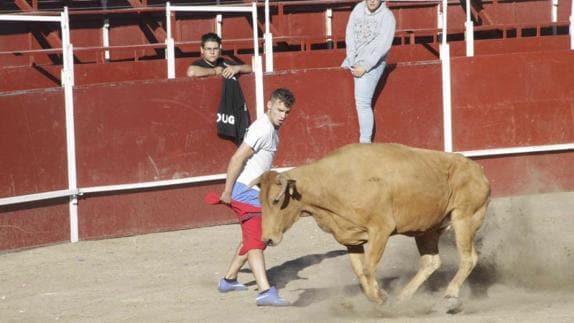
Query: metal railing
(256, 61)
(105, 13)
(68, 81)
(67, 76)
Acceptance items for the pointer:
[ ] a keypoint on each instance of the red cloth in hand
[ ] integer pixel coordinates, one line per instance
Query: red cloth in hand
(250, 218)
(240, 209)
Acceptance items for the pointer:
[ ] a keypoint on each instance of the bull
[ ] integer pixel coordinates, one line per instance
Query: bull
(363, 194)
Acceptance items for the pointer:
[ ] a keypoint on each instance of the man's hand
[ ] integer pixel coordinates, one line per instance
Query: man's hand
(357, 71)
(230, 71)
(218, 70)
(225, 197)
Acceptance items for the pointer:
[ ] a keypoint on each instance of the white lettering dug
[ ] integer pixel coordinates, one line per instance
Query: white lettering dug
(221, 117)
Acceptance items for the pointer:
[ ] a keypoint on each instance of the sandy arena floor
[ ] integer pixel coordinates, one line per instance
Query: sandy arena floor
(525, 274)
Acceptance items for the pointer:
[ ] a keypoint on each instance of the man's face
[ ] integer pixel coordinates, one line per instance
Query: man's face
(277, 112)
(373, 5)
(210, 51)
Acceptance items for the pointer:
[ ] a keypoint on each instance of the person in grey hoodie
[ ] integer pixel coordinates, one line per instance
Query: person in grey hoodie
(369, 36)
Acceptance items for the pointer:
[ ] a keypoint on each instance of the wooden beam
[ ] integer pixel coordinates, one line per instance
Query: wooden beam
(24, 6)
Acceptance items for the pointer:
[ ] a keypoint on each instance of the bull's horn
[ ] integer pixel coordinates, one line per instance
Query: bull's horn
(255, 181)
(267, 174)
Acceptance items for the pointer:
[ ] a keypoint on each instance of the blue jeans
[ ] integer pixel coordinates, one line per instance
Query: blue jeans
(364, 90)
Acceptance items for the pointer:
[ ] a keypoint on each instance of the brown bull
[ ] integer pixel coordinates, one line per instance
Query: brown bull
(362, 194)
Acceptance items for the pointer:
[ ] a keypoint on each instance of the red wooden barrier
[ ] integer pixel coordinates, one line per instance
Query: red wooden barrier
(159, 129)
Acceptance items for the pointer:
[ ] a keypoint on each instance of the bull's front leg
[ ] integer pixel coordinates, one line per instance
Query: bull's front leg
(357, 255)
(375, 248)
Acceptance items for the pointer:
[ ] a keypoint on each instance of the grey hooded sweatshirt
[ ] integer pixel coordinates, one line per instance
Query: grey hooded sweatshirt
(369, 36)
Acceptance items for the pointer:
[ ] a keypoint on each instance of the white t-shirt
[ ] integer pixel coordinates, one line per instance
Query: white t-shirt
(263, 138)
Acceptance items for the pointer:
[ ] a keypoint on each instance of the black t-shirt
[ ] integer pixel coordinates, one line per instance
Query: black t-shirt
(232, 104)
(220, 62)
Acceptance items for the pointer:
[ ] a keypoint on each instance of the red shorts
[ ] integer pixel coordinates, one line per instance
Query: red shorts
(250, 218)
(251, 233)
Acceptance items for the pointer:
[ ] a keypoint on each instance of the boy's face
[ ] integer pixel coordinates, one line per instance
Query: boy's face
(210, 51)
(277, 112)
(373, 5)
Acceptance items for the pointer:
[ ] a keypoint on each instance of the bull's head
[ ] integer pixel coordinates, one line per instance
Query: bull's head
(280, 205)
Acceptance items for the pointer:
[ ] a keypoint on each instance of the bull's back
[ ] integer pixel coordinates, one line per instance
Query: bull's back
(385, 162)
(408, 167)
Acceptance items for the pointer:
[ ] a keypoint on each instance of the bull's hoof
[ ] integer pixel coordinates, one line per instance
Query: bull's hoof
(451, 305)
(379, 298)
(379, 301)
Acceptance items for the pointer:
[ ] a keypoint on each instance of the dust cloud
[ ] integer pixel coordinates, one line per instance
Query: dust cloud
(529, 241)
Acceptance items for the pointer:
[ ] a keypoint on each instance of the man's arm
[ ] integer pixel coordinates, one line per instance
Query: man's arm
(228, 72)
(198, 71)
(349, 33)
(231, 70)
(236, 164)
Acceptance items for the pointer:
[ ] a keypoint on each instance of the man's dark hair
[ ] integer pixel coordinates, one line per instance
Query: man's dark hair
(210, 37)
(283, 95)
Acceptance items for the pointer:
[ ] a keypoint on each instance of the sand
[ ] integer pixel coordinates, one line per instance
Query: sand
(525, 274)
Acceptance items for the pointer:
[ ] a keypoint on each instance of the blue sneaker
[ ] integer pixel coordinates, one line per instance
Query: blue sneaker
(270, 298)
(225, 286)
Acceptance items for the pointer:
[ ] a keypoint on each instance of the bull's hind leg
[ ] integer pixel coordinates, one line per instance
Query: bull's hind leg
(428, 263)
(465, 228)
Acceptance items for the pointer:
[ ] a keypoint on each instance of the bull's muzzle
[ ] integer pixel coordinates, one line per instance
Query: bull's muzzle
(269, 242)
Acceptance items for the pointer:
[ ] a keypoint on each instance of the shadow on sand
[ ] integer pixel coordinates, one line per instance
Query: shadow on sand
(281, 275)
(480, 279)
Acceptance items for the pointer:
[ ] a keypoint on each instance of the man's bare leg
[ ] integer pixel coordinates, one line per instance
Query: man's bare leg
(229, 282)
(268, 296)
(236, 263)
(257, 265)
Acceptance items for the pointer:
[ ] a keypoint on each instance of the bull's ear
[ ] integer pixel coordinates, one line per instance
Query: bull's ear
(293, 192)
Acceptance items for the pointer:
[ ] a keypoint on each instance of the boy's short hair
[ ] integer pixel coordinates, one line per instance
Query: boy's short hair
(210, 37)
(283, 95)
